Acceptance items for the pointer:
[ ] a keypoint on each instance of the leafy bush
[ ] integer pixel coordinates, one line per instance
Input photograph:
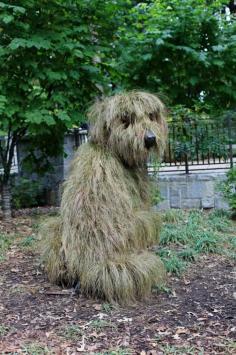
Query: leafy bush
(173, 216)
(183, 49)
(173, 263)
(207, 243)
(26, 193)
(188, 254)
(219, 221)
(171, 234)
(228, 188)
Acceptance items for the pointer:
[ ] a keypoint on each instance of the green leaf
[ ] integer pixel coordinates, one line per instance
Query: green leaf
(89, 68)
(52, 75)
(218, 62)
(147, 56)
(38, 117)
(3, 101)
(35, 41)
(78, 53)
(17, 43)
(63, 116)
(159, 42)
(218, 48)
(7, 19)
(16, 9)
(193, 80)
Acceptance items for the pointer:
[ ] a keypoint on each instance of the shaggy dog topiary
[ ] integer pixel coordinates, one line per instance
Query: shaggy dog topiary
(106, 228)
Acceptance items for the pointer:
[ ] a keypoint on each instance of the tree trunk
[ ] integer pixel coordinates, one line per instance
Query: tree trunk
(6, 201)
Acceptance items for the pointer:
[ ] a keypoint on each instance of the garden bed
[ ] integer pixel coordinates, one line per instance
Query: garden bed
(192, 314)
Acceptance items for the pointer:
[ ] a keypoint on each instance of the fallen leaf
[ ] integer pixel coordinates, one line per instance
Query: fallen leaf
(92, 347)
(15, 270)
(182, 330)
(97, 306)
(82, 345)
(176, 337)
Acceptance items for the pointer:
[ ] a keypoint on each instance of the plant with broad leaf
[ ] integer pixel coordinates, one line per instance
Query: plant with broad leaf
(228, 188)
(54, 60)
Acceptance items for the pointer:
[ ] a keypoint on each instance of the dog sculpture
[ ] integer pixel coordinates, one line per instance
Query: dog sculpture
(106, 227)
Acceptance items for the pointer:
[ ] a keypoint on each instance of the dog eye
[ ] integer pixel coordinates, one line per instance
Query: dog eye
(152, 116)
(126, 124)
(125, 120)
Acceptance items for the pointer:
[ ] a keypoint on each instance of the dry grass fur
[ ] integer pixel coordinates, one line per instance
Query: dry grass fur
(106, 226)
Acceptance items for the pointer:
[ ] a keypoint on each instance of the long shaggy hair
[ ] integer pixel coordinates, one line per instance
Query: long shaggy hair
(106, 228)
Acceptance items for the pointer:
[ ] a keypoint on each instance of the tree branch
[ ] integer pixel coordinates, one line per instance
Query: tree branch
(1, 153)
(7, 168)
(8, 139)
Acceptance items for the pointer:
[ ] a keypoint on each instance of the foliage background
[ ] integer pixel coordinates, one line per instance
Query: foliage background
(183, 49)
(54, 59)
(58, 56)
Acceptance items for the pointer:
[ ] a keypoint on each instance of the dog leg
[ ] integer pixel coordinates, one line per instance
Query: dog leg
(52, 255)
(146, 230)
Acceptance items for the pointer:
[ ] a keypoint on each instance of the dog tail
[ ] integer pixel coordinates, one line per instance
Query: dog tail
(125, 280)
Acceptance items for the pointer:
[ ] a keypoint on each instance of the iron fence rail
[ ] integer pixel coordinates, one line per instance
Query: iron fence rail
(200, 145)
(192, 146)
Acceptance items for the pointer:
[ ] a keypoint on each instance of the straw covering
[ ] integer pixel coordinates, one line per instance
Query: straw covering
(106, 228)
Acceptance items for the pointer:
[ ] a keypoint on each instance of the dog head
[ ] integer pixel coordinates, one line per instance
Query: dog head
(131, 125)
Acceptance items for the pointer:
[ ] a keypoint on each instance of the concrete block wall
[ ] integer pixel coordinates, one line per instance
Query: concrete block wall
(69, 149)
(197, 190)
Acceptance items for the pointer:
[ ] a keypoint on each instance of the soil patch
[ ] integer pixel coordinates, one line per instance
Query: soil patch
(194, 315)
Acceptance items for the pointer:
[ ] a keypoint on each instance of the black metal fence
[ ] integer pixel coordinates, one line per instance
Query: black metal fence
(81, 136)
(193, 145)
(200, 145)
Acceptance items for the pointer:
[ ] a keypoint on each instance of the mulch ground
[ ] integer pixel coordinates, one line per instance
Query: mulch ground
(195, 317)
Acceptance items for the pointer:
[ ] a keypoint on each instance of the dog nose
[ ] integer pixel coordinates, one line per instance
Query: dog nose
(149, 139)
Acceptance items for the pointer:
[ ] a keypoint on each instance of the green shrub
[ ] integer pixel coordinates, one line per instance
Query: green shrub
(26, 193)
(219, 221)
(173, 216)
(173, 263)
(207, 243)
(186, 234)
(228, 188)
(173, 234)
(188, 254)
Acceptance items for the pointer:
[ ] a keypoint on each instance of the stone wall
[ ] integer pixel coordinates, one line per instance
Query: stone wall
(50, 181)
(197, 190)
